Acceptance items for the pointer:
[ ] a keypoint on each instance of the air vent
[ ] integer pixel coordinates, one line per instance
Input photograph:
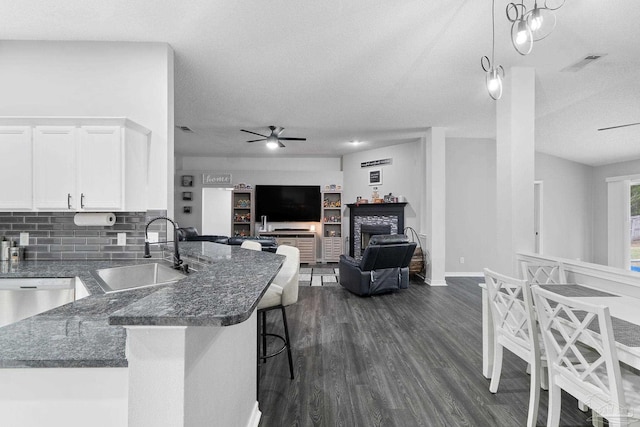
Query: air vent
(185, 129)
(589, 59)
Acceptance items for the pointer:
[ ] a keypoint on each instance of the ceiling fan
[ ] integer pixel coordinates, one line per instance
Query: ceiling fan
(274, 139)
(620, 126)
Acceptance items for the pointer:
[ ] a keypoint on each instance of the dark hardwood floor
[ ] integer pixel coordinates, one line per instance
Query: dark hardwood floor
(412, 358)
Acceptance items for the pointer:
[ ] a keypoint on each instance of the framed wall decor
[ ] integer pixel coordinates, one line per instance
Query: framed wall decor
(186, 209)
(187, 180)
(187, 195)
(375, 177)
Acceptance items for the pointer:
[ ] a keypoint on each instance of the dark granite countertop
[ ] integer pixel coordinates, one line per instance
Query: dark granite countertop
(89, 332)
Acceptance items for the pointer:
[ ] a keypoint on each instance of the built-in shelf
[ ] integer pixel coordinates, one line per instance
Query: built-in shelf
(242, 213)
(331, 226)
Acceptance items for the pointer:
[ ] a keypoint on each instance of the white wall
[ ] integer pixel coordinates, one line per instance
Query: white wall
(133, 80)
(401, 177)
(471, 204)
(253, 171)
(599, 193)
(566, 207)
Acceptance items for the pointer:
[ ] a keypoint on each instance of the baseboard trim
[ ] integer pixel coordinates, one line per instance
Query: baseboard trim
(464, 274)
(432, 282)
(254, 419)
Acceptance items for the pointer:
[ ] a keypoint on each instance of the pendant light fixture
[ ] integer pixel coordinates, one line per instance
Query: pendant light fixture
(528, 26)
(493, 74)
(521, 36)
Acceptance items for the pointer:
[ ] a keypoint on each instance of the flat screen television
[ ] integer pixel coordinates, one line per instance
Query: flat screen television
(288, 203)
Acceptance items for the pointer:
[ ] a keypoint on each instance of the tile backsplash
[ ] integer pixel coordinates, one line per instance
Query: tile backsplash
(54, 236)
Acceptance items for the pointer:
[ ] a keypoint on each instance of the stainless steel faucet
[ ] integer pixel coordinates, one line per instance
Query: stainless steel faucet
(177, 262)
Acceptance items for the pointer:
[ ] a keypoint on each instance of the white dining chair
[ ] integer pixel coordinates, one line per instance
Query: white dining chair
(582, 359)
(514, 329)
(543, 273)
(251, 244)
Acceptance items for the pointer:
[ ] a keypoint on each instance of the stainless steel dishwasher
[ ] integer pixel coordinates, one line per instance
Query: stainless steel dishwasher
(25, 297)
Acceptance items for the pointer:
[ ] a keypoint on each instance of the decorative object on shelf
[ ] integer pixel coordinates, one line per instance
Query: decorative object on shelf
(187, 180)
(186, 209)
(187, 195)
(531, 25)
(375, 194)
(242, 186)
(375, 177)
(494, 75)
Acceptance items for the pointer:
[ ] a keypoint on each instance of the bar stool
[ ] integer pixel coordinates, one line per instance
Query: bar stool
(282, 292)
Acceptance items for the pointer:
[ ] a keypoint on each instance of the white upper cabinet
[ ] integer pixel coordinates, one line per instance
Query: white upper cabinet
(54, 167)
(86, 164)
(100, 156)
(16, 191)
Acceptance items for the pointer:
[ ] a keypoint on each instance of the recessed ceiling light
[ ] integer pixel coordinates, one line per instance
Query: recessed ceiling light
(355, 142)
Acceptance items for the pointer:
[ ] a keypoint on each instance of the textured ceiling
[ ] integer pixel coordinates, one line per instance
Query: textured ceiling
(375, 71)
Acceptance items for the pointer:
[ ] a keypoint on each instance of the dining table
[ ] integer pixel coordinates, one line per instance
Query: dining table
(625, 320)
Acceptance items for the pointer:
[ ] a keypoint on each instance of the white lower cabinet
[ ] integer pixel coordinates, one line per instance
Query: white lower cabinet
(16, 191)
(80, 166)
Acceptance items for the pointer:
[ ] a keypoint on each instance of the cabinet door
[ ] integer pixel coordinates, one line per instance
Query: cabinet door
(16, 191)
(100, 167)
(54, 167)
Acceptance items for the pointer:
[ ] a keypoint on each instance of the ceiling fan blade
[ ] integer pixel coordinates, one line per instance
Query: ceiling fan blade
(256, 140)
(293, 139)
(620, 126)
(281, 144)
(278, 130)
(248, 131)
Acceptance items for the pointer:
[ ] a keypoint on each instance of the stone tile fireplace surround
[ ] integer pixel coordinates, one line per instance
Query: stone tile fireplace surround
(369, 219)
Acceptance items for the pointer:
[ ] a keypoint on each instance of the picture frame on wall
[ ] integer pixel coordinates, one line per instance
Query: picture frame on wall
(187, 195)
(187, 180)
(375, 177)
(186, 209)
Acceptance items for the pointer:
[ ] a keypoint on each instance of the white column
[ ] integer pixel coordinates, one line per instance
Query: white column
(515, 149)
(193, 376)
(435, 204)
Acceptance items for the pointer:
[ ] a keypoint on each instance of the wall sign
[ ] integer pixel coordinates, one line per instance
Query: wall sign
(375, 163)
(216, 179)
(375, 177)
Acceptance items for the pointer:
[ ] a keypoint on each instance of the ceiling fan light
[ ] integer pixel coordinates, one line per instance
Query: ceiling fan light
(272, 145)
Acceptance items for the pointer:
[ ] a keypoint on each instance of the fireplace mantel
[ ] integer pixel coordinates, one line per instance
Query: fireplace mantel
(365, 208)
(379, 213)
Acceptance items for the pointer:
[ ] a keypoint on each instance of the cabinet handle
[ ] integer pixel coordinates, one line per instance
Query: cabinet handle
(82, 200)
(68, 200)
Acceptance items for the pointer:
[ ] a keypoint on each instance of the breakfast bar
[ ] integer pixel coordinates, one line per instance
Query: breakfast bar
(170, 355)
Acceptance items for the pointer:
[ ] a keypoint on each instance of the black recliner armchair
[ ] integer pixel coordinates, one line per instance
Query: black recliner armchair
(384, 266)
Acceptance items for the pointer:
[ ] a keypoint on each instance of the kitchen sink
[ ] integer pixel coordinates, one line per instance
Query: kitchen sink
(118, 279)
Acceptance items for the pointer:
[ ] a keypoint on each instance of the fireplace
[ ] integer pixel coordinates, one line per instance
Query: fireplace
(366, 231)
(367, 220)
